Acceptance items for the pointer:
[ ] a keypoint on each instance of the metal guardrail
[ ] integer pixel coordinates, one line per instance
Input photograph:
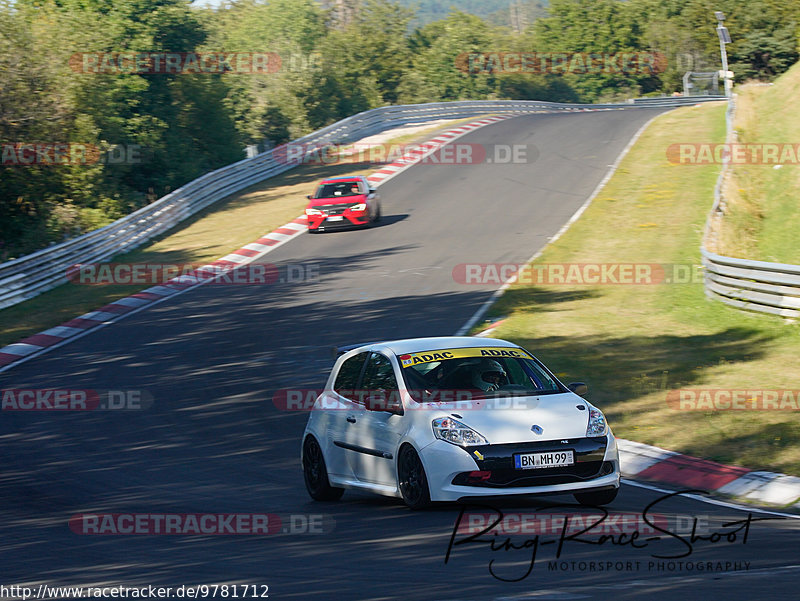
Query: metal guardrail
(30, 275)
(743, 283)
(753, 285)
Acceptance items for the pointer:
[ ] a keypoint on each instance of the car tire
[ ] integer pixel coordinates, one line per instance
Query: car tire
(315, 473)
(378, 213)
(411, 479)
(598, 497)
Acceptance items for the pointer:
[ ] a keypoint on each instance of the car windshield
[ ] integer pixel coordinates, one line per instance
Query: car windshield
(338, 189)
(451, 374)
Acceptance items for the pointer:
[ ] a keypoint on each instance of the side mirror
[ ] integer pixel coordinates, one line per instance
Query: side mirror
(308, 196)
(578, 388)
(372, 190)
(379, 400)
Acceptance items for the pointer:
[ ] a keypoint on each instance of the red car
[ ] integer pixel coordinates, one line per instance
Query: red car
(342, 202)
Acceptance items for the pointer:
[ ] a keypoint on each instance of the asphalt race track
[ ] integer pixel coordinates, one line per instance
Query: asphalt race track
(213, 441)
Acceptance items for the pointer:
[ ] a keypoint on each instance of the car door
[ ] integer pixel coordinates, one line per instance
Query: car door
(375, 434)
(343, 410)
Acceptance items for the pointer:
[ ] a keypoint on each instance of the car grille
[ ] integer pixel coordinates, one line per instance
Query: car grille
(498, 460)
(335, 209)
(512, 478)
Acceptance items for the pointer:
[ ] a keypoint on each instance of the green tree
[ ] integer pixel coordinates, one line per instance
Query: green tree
(438, 49)
(763, 54)
(267, 106)
(605, 27)
(377, 44)
(180, 120)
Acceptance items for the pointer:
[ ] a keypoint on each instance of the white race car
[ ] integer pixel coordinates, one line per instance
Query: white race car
(442, 419)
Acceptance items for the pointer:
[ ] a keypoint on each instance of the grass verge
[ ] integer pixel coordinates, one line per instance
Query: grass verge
(762, 219)
(634, 343)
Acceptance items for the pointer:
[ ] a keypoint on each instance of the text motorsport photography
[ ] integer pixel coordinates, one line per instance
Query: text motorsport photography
(650, 541)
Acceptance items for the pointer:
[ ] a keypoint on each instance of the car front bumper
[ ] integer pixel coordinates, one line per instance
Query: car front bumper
(456, 472)
(349, 219)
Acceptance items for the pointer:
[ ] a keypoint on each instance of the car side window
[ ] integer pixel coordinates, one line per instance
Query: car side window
(379, 374)
(347, 378)
(515, 372)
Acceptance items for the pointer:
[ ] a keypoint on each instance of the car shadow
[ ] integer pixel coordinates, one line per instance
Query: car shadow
(386, 220)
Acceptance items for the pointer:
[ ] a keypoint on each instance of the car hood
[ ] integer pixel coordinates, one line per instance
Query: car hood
(337, 200)
(512, 419)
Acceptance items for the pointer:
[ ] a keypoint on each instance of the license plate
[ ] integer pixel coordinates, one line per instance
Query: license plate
(530, 461)
(335, 218)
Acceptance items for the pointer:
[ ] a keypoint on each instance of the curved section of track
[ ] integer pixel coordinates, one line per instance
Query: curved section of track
(214, 442)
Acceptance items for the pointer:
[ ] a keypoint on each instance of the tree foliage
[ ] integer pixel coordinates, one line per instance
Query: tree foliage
(332, 62)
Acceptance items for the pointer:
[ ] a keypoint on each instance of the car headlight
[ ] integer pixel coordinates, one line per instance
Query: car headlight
(597, 423)
(314, 212)
(453, 431)
(362, 206)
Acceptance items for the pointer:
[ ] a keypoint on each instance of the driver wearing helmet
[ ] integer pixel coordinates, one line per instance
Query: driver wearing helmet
(489, 375)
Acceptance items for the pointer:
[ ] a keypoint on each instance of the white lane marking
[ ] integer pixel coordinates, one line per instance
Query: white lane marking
(184, 279)
(638, 457)
(130, 301)
(279, 237)
(711, 501)
(22, 348)
(164, 291)
(497, 293)
(233, 258)
(255, 246)
(98, 315)
(770, 487)
(65, 331)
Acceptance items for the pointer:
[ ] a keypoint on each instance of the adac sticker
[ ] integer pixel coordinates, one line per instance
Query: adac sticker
(406, 360)
(429, 356)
